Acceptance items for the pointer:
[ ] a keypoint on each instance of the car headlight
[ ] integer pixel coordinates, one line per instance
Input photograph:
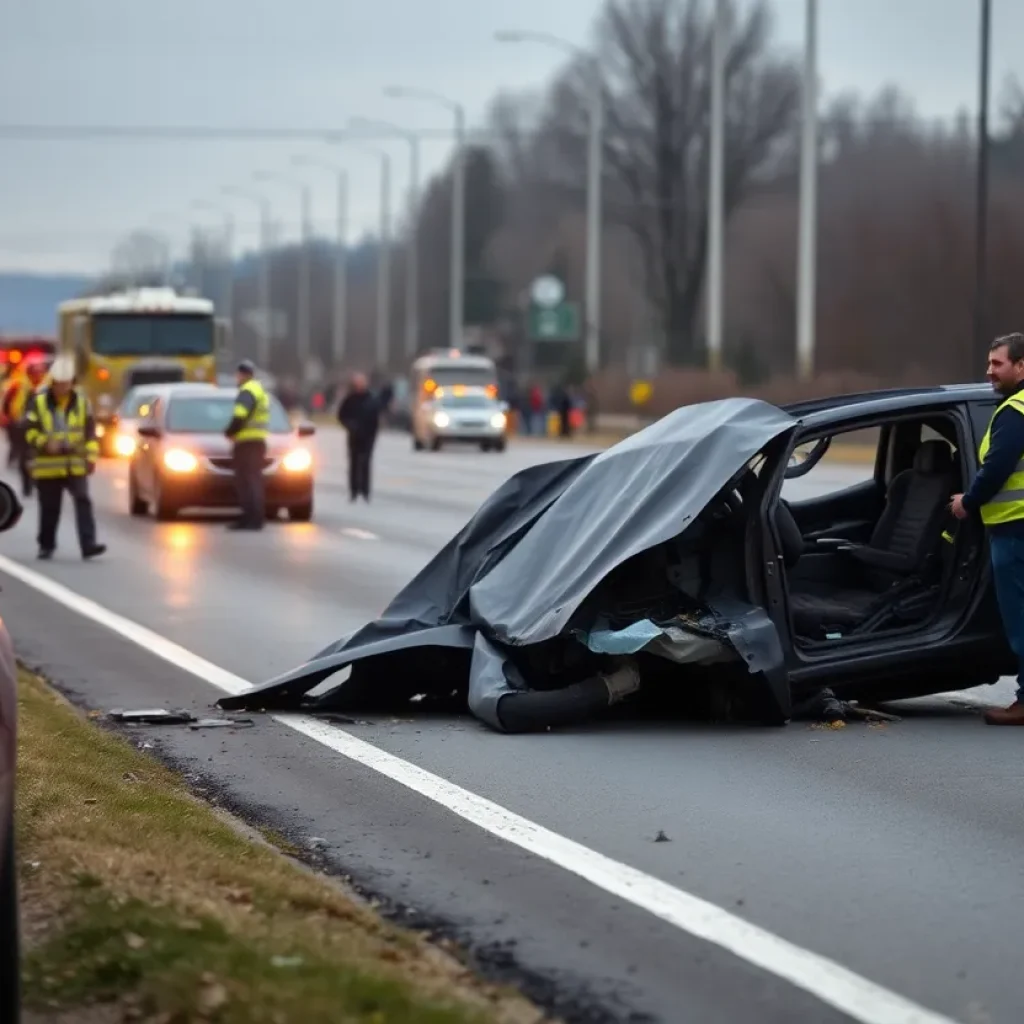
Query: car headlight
(124, 445)
(298, 461)
(498, 421)
(441, 419)
(100, 430)
(177, 460)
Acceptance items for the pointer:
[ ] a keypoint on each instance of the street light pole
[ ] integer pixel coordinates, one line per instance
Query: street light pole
(340, 316)
(304, 320)
(982, 185)
(412, 288)
(266, 326)
(384, 267)
(595, 175)
(458, 227)
(807, 257)
(716, 189)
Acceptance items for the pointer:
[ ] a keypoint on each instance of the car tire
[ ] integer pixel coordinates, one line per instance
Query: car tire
(500, 446)
(10, 965)
(485, 446)
(417, 444)
(162, 508)
(301, 513)
(136, 506)
(435, 445)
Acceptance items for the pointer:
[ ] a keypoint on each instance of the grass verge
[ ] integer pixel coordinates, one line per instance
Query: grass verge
(139, 902)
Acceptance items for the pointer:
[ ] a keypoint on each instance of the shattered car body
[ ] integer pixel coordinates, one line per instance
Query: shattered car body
(670, 572)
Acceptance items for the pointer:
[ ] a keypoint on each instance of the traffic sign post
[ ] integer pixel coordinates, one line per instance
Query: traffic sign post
(555, 323)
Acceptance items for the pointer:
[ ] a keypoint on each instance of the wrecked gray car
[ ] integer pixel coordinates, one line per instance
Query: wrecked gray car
(668, 575)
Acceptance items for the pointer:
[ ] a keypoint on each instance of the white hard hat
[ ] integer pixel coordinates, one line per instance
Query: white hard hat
(63, 370)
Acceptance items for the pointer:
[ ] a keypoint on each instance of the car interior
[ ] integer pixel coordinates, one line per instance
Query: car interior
(879, 555)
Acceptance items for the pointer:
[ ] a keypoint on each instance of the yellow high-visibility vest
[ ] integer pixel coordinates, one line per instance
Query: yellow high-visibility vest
(257, 423)
(66, 425)
(1008, 505)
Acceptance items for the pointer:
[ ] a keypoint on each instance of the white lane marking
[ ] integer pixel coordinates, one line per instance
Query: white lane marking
(856, 996)
(354, 531)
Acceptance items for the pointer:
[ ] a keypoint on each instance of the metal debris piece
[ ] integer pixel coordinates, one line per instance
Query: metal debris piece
(221, 723)
(151, 716)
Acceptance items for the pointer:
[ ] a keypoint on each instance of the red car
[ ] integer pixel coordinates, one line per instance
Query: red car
(10, 513)
(183, 460)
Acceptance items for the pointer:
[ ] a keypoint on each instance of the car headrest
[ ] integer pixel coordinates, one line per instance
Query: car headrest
(933, 457)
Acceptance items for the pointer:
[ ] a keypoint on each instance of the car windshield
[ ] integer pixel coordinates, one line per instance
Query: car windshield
(163, 334)
(212, 415)
(135, 405)
(466, 401)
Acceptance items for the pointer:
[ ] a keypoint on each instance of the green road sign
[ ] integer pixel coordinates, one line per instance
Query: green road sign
(555, 323)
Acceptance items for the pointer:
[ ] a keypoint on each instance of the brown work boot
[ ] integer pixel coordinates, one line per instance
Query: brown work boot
(1013, 715)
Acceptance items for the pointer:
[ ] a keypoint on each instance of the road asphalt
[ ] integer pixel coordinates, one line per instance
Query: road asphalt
(890, 851)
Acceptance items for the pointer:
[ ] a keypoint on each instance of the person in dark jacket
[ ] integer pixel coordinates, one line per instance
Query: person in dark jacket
(996, 496)
(359, 414)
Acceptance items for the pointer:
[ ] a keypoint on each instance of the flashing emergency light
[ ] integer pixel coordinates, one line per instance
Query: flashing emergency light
(430, 386)
(492, 390)
(103, 373)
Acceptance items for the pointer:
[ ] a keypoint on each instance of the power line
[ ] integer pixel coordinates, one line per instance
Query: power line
(177, 133)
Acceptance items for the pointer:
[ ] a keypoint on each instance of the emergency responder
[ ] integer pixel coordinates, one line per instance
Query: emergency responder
(60, 432)
(248, 429)
(997, 495)
(15, 404)
(359, 413)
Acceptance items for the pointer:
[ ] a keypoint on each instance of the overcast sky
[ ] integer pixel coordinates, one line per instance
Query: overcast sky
(315, 63)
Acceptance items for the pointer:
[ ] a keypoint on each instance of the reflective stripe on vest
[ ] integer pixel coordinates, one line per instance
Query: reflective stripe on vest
(67, 426)
(1008, 505)
(257, 423)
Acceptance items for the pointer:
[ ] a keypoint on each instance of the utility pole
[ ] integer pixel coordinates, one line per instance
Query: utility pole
(716, 189)
(807, 255)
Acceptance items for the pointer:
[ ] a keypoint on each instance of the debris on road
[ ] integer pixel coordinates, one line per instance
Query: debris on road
(162, 716)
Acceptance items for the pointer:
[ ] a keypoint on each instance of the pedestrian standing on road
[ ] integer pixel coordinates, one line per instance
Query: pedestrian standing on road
(997, 496)
(359, 414)
(248, 431)
(60, 431)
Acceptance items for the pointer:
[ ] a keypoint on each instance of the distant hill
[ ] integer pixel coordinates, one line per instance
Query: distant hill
(28, 302)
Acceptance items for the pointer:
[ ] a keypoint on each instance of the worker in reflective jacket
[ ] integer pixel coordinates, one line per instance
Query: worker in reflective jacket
(15, 405)
(61, 435)
(248, 429)
(997, 496)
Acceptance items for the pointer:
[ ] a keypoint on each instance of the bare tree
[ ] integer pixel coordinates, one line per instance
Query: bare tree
(655, 57)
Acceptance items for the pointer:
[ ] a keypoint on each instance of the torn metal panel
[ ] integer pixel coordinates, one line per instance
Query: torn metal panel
(495, 620)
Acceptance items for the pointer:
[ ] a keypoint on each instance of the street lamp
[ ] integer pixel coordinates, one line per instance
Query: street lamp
(412, 291)
(305, 286)
(595, 153)
(716, 187)
(341, 256)
(807, 259)
(383, 257)
(982, 182)
(263, 355)
(229, 266)
(458, 283)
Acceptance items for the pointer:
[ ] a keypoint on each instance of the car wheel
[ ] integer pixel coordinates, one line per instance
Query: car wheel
(499, 446)
(417, 444)
(136, 505)
(9, 961)
(435, 445)
(301, 513)
(162, 508)
(485, 446)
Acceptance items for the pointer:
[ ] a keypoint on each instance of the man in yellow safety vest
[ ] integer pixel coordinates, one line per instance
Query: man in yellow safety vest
(997, 495)
(248, 429)
(60, 433)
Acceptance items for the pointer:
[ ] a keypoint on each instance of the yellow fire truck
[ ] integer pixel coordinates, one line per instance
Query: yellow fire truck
(141, 336)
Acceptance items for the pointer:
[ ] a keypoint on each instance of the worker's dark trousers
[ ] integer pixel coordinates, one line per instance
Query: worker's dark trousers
(1008, 576)
(360, 457)
(248, 457)
(51, 493)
